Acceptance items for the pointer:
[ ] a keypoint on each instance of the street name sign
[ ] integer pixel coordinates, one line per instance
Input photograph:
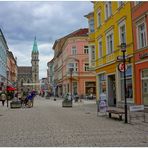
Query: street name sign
(120, 58)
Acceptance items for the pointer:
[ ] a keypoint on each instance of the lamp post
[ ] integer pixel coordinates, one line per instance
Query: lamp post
(71, 71)
(123, 49)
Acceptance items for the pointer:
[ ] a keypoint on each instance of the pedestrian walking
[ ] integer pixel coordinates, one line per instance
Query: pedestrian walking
(3, 98)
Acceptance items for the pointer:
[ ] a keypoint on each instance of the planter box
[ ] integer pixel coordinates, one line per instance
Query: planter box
(66, 103)
(15, 104)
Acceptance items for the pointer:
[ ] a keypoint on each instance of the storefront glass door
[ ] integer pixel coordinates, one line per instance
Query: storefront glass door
(145, 86)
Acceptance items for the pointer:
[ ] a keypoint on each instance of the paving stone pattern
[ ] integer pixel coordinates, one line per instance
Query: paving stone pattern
(48, 124)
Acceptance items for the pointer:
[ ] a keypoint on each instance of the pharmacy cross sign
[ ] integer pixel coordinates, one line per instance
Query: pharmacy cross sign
(121, 67)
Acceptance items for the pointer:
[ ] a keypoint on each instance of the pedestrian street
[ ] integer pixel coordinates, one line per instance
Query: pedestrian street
(49, 124)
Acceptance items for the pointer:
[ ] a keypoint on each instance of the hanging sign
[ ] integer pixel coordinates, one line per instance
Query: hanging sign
(121, 67)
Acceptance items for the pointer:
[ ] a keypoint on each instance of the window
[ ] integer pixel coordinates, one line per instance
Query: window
(129, 86)
(137, 2)
(91, 25)
(73, 50)
(109, 42)
(102, 83)
(100, 48)
(86, 67)
(145, 86)
(141, 35)
(108, 9)
(92, 52)
(74, 66)
(120, 3)
(99, 19)
(122, 33)
(90, 88)
(86, 49)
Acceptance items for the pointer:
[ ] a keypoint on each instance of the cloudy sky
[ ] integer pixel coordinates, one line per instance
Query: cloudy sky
(48, 21)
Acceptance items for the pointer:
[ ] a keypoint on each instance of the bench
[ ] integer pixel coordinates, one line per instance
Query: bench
(119, 113)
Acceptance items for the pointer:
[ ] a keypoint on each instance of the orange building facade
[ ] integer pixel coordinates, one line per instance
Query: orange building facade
(140, 37)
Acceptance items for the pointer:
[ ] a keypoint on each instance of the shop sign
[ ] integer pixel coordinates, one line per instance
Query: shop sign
(143, 55)
(136, 108)
(121, 67)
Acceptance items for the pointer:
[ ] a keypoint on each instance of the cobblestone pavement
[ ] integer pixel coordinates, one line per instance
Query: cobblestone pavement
(48, 124)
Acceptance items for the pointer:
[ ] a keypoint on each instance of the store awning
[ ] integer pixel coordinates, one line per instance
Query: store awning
(10, 88)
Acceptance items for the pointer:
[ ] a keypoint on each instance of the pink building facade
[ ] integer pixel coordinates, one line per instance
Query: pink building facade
(75, 56)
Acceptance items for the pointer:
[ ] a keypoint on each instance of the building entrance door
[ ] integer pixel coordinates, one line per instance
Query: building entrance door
(111, 90)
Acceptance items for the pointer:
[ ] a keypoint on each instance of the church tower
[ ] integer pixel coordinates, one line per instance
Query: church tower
(35, 65)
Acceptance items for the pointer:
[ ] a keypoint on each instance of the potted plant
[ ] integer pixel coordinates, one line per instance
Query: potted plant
(67, 102)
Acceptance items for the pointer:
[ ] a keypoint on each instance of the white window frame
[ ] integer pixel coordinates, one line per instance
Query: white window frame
(108, 9)
(91, 52)
(100, 52)
(121, 25)
(137, 31)
(86, 68)
(91, 26)
(99, 18)
(75, 66)
(108, 51)
(120, 3)
(73, 50)
(86, 50)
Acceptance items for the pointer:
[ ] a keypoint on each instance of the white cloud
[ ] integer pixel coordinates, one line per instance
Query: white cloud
(48, 21)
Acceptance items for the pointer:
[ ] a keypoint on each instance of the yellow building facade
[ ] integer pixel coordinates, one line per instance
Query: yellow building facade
(113, 26)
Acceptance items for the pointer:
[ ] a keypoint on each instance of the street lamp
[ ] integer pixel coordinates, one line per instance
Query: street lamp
(123, 49)
(71, 71)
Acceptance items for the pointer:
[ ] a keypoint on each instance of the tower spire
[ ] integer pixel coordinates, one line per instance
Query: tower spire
(35, 46)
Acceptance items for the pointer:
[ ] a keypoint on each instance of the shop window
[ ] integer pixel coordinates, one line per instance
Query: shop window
(102, 83)
(90, 88)
(145, 86)
(129, 86)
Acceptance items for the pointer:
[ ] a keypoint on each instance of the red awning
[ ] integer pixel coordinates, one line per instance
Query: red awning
(10, 88)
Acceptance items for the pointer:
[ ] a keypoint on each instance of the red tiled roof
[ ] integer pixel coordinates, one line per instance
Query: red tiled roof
(79, 33)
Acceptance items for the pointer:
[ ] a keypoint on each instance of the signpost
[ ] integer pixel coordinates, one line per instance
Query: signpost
(122, 68)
